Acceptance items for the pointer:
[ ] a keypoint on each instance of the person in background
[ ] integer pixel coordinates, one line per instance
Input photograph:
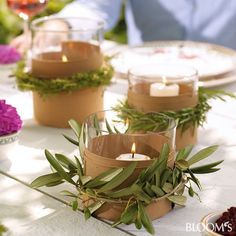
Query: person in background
(210, 21)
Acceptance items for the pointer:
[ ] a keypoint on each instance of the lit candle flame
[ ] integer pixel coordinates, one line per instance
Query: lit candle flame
(133, 149)
(64, 58)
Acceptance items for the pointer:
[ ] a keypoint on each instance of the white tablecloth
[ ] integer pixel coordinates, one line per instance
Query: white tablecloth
(27, 212)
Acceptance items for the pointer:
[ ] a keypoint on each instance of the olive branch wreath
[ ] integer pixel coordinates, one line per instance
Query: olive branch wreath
(154, 183)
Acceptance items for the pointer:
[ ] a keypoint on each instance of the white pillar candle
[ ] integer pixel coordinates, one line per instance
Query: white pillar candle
(163, 90)
(132, 156)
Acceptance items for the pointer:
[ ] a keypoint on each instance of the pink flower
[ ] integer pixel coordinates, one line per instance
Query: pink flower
(10, 121)
(8, 55)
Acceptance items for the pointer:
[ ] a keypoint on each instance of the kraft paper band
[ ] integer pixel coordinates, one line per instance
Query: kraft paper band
(81, 57)
(186, 137)
(103, 150)
(140, 99)
(56, 109)
(113, 211)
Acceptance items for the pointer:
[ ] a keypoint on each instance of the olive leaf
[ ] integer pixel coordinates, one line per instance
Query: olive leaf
(52, 184)
(46, 179)
(74, 205)
(85, 179)
(87, 213)
(95, 206)
(204, 153)
(104, 177)
(71, 140)
(194, 179)
(129, 215)
(147, 189)
(184, 153)
(182, 164)
(68, 193)
(167, 187)
(66, 162)
(158, 191)
(121, 193)
(80, 170)
(109, 129)
(56, 165)
(140, 194)
(178, 199)
(82, 142)
(76, 127)
(96, 125)
(119, 179)
(191, 191)
(150, 171)
(165, 176)
(205, 169)
(145, 220)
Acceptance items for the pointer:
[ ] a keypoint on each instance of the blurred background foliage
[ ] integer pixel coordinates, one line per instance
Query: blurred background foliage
(11, 24)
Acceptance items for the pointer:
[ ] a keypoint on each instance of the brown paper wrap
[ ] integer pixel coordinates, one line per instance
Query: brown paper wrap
(55, 110)
(155, 210)
(81, 57)
(139, 98)
(186, 137)
(101, 156)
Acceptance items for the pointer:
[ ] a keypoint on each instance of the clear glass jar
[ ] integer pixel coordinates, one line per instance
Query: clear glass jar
(62, 47)
(162, 87)
(163, 80)
(109, 134)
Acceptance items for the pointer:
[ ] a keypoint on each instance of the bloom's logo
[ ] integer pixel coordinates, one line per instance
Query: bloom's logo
(200, 227)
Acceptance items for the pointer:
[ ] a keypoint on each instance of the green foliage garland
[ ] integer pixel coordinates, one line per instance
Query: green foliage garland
(185, 118)
(27, 82)
(154, 183)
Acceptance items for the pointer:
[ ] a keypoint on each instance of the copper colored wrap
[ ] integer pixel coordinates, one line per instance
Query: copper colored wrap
(140, 99)
(56, 109)
(155, 210)
(78, 56)
(101, 157)
(186, 137)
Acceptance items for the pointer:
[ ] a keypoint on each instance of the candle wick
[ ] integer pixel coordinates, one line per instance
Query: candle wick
(133, 155)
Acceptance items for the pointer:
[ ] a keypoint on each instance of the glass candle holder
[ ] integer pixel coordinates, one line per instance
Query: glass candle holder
(110, 142)
(161, 87)
(62, 47)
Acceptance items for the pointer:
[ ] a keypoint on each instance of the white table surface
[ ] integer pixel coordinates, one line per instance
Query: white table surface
(28, 212)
